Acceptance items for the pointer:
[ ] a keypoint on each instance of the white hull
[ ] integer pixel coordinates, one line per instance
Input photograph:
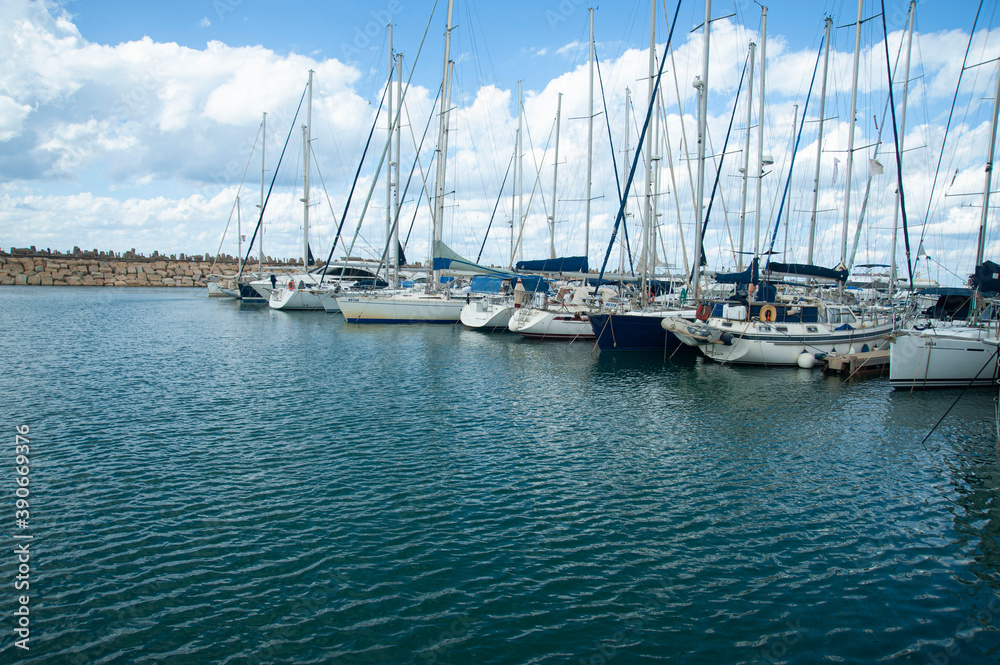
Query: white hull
(297, 299)
(951, 356)
(400, 308)
(780, 343)
(556, 324)
(488, 314)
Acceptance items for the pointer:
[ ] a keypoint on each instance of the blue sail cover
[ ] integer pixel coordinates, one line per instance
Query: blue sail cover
(808, 270)
(561, 264)
(987, 277)
(494, 283)
(748, 276)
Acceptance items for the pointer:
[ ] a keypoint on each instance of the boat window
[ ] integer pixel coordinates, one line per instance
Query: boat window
(764, 328)
(782, 328)
(812, 329)
(727, 324)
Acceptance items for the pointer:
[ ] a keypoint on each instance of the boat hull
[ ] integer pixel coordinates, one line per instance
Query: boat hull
(486, 315)
(552, 324)
(634, 332)
(942, 358)
(400, 309)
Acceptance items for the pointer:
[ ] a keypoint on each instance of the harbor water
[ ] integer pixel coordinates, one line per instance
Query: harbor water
(212, 482)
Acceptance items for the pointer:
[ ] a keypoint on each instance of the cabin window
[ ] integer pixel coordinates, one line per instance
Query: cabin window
(783, 329)
(764, 328)
(812, 329)
(727, 324)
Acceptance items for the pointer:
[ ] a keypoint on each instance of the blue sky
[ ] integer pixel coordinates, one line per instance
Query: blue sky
(130, 124)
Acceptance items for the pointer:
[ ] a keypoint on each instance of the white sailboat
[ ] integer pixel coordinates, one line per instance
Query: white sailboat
(957, 353)
(422, 305)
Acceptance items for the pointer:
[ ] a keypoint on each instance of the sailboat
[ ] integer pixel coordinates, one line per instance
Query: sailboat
(797, 324)
(433, 303)
(961, 350)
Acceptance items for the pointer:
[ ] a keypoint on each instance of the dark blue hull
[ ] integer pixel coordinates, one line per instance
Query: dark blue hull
(248, 294)
(618, 332)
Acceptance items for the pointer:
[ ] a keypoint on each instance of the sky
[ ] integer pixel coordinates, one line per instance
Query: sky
(138, 126)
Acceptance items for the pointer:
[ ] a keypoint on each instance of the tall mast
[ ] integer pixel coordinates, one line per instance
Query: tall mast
(388, 171)
(520, 162)
(746, 158)
(306, 138)
(625, 167)
(590, 140)
(263, 146)
(760, 128)
(902, 135)
(442, 140)
(981, 247)
(647, 226)
(395, 192)
(239, 240)
(850, 132)
(819, 143)
(555, 182)
(702, 85)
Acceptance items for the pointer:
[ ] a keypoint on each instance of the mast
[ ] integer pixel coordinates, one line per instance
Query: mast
(590, 140)
(388, 171)
(306, 138)
(746, 158)
(647, 226)
(263, 146)
(239, 240)
(902, 135)
(850, 133)
(628, 105)
(395, 194)
(442, 141)
(819, 144)
(702, 86)
(555, 181)
(760, 128)
(981, 247)
(520, 163)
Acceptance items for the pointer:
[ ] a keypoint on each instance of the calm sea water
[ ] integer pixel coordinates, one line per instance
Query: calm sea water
(217, 483)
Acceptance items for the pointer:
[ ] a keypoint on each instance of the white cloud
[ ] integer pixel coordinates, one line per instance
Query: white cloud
(204, 23)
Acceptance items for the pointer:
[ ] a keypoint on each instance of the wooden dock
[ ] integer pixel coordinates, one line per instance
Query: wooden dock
(855, 364)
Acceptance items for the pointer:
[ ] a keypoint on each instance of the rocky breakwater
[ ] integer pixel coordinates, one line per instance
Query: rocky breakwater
(45, 268)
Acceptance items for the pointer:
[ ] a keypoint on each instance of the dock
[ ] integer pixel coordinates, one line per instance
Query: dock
(853, 364)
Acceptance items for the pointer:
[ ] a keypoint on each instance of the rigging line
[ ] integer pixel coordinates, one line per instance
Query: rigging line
(795, 149)
(878, 143)
(238, 190)
(416, 163)
(611, 140)
(399, 110)
(638, 149)
(947, 126)
(899, 163)
(495, 206)
(354, 184)
(277, 168)
(718, 170)
(960, 396)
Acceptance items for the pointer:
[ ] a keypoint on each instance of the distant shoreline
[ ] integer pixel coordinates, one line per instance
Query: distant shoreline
(30, 267)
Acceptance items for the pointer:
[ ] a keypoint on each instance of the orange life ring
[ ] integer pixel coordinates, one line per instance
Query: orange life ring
(703, 312)
(291, 285)
(768, 313)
